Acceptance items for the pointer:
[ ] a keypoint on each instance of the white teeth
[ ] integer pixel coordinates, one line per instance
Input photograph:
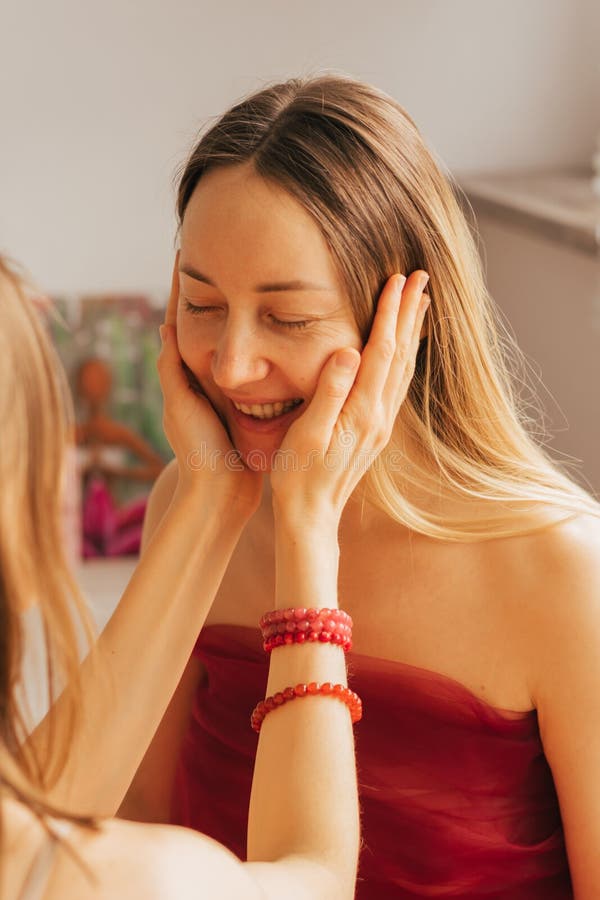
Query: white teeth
(267, 410)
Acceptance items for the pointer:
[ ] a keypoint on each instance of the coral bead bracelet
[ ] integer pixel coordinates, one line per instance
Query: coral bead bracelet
(299, 625)
(338, 691)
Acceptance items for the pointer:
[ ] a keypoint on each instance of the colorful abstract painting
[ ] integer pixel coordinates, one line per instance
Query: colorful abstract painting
(108, 345)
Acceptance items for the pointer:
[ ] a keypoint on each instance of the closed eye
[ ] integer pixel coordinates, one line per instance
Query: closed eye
(282, 323)
(199, 310)
(301, 323)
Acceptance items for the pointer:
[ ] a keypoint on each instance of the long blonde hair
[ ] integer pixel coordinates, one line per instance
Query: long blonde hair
(36, 421)
(353, 158)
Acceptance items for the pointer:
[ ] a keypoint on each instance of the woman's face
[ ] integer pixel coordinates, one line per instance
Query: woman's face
(261, 306)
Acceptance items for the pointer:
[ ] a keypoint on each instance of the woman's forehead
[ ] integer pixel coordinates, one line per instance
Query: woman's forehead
(236, 220)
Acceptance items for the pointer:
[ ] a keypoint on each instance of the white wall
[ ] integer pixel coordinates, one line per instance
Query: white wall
(101, 100)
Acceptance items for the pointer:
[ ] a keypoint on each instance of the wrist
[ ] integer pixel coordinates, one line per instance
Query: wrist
(224, 509)
(308, 542)
(306, 565)
(305, 520)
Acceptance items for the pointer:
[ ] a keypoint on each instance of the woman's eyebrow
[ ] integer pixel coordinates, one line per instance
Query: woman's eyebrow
(270, 287)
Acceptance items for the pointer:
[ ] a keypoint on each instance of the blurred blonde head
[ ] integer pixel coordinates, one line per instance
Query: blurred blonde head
(35, 412)
(356, 161)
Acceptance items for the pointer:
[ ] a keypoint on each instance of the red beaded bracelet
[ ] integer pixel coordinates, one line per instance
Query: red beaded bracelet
(352, 700)
(296, 626)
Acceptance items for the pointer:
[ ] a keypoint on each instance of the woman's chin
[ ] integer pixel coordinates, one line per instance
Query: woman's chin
(258, 459)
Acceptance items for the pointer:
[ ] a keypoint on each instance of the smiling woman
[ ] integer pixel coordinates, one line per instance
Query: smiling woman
(469, 562)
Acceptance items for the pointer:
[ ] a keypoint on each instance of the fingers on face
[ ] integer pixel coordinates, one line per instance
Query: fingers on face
(403, 365)
(166, 351)
(335, 384)
(388, 360)
(171, 313)
(169, 367)
(381, 343)
(390, 343)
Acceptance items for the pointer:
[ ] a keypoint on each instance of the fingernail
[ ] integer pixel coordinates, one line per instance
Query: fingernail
(423, 279)
(347, 359)
(400, 283)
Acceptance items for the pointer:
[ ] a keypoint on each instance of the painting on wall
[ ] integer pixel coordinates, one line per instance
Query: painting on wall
(108, 345)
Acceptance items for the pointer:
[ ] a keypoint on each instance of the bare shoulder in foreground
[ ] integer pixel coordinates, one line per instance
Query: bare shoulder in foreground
(139, 862)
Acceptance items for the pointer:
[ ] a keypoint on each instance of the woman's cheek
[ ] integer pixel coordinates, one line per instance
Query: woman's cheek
(302, 372)
(311, 373)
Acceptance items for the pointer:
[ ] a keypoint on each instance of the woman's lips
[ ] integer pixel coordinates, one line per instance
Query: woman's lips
(263, 426)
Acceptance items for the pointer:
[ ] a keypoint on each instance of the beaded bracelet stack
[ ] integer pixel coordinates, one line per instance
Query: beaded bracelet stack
(282, 627)
(296, 626)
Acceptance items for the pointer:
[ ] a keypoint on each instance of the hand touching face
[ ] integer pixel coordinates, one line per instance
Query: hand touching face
(350, 418)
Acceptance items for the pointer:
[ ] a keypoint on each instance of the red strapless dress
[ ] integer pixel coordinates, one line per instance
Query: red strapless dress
(457, 797)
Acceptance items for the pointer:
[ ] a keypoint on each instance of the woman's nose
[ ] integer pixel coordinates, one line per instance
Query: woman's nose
(238, 359)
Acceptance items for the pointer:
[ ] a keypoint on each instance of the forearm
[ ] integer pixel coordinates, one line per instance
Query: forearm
(303, 803)
(134, 667)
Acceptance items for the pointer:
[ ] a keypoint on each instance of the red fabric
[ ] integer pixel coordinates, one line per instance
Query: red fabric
(457, 797)
(108, 530)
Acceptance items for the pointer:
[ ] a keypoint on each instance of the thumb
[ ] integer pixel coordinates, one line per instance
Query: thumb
(171, 312)
(169, 364)
(335, 383)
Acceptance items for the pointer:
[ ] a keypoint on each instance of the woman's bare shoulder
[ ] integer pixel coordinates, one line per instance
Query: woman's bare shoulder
(545, 586)
(543, 574)
(551, 581)
(150, 862)
(568, 569)
(563, 551)
(558, 606)
(557, 548)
